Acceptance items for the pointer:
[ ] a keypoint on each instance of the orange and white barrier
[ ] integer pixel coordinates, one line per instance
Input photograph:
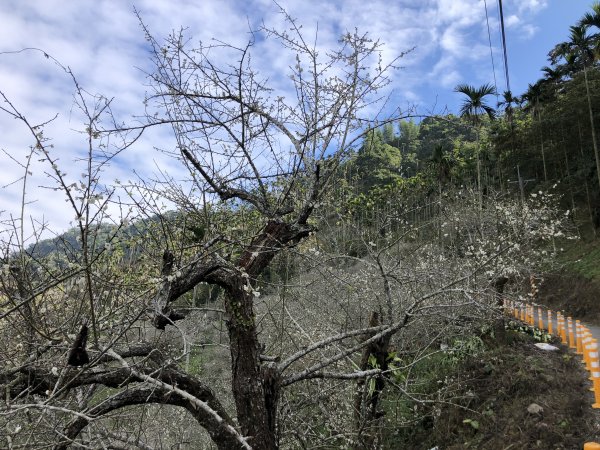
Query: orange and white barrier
(587, 344)
(595, 374)
(572, 333)
(578, 337)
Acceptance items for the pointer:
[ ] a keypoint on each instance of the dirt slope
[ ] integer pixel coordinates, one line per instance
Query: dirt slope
(516, 396)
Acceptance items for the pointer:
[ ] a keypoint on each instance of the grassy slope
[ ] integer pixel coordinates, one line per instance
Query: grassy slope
(575, 287)
(582, 257)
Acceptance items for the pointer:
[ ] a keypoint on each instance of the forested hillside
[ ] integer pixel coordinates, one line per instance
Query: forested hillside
(321, 274)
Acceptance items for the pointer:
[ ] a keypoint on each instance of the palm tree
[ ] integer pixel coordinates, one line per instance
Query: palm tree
(508, 100)
(592, 18)
(581, 49)
(474, 109)
(553, 75)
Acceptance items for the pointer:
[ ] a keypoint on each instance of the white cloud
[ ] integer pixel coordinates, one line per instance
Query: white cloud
(528, 31)
(512, 21)
(101, 41)
(450, 79)
(531, 6)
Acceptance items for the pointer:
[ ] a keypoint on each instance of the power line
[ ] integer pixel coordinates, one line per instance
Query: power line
(501, 14)
(491, 51)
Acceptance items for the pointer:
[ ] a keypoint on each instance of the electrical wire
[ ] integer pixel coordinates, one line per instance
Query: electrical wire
(491, 51)
(501, 14)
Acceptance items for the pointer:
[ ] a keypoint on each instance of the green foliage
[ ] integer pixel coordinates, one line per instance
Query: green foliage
(583, 258)
(377, 162)
(442, 131)
(536, 333)
(472, 422)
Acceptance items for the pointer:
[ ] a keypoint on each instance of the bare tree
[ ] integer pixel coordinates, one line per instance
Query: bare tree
(261, 160)
(243, 145)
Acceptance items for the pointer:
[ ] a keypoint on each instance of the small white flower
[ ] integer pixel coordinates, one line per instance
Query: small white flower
(256, 294)
(54, 371)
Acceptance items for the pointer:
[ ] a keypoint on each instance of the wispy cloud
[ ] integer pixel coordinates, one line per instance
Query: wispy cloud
(531, 6)
(102, 43)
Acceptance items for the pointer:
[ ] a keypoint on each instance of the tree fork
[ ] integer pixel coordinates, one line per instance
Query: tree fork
(255, 386)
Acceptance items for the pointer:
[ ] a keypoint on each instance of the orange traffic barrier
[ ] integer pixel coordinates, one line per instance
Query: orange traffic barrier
(578, 338)
(594, 360)
(563, 328)
(571, 333)
(587, 347)
(596, 382)
(522, 313)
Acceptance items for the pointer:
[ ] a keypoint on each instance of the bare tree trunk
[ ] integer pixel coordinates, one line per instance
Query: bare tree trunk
(255, 385)
(256, 391)
(367, 415)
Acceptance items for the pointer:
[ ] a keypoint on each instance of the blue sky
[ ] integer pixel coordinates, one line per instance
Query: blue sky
(103, 44)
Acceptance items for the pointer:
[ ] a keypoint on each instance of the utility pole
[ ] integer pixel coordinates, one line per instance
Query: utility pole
(521, 183)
